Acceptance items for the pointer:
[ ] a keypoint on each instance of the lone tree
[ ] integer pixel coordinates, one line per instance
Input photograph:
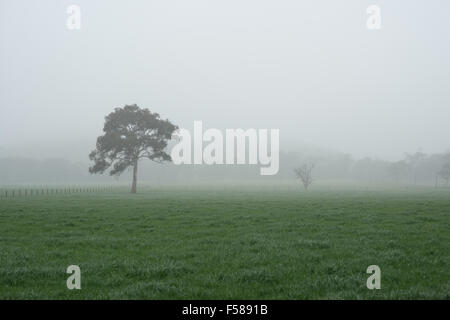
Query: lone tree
(130, 134)
(304, 174)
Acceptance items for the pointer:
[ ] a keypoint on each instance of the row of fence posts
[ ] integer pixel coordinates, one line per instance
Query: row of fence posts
(11, 193)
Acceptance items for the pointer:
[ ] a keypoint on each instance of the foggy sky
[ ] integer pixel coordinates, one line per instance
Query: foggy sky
(310, 68)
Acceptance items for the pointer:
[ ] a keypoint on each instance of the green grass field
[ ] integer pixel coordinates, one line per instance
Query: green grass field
(233, 243)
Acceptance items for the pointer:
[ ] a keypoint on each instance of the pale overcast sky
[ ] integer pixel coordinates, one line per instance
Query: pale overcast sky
(310, 68)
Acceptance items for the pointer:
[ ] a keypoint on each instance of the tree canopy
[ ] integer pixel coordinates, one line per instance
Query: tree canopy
(131, 133)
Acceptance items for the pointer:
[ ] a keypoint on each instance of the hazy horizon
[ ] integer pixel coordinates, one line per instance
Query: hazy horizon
(312, 70)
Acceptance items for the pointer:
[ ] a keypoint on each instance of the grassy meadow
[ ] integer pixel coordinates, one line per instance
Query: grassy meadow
(227, 243)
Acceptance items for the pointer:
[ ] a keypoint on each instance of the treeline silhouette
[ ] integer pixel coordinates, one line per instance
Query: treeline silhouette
(414, 168)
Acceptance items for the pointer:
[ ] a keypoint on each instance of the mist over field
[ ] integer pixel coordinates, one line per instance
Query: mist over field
(199, 149)
(340, 94)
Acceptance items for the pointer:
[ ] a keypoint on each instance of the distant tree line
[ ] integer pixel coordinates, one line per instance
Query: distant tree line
(414, 168)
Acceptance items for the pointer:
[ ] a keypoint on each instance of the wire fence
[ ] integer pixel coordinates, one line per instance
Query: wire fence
(29, 191)
(32, 191)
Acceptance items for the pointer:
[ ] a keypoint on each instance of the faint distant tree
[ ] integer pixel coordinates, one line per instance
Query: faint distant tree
(444, 173)
(130, 134)
(413, 161)
(398, 169)
(304, 174)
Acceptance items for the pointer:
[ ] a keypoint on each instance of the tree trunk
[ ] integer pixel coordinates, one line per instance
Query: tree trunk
(134, 184)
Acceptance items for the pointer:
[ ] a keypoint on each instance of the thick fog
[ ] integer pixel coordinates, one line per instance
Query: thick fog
(309, 68)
